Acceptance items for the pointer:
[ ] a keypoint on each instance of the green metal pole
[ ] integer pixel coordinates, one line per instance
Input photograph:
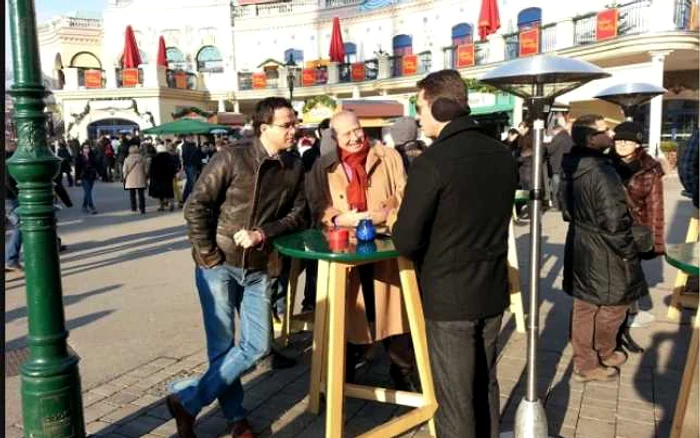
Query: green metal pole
(51, 397)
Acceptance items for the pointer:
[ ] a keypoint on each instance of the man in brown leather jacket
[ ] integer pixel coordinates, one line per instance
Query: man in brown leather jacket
(246, 196)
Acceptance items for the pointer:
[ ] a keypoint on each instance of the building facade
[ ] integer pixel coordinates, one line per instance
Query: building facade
(225, 56)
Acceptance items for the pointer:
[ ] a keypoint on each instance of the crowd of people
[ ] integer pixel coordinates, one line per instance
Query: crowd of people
(448, 208)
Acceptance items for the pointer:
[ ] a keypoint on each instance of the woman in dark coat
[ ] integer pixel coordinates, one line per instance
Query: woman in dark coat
(602, 268)
(162, 171)
(87, 171)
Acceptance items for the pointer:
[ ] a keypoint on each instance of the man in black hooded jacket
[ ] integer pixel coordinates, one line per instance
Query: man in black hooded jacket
(602, 268)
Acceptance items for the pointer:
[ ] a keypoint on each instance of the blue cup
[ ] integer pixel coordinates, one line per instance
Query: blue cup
(365, 232)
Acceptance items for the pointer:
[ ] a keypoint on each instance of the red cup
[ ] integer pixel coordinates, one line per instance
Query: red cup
(338, 239)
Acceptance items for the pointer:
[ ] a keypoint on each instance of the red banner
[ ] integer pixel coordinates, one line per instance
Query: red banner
(530, 42)
(465, 55)
(93, 79)
(357, 71)
(606, 24)
(409, 65)
(259, 80)
(308, 77)
(181, 80)
(130, 77)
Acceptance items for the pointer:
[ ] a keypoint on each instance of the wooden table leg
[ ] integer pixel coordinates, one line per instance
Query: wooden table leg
(674, 309)
(335, 383)
(291, 299)
(320, 338)
(689, 372)
(514, 284)
(416, 321)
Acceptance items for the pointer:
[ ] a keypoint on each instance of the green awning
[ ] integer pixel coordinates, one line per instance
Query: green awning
(504, 103)
(185, 126)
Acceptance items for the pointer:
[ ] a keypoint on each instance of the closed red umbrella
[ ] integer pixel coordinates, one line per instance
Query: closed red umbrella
(131, 58)
(337, 51)
(162, 59)
(489, 21)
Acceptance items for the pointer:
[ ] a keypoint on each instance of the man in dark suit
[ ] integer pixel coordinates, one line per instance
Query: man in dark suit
(453, 223)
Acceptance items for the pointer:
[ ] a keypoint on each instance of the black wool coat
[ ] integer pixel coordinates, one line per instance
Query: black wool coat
(601, 262)
(454, 219)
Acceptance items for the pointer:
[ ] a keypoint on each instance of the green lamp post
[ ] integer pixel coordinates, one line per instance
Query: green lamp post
(51, 399)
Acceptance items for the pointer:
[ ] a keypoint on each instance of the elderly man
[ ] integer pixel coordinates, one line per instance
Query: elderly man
(351, 182)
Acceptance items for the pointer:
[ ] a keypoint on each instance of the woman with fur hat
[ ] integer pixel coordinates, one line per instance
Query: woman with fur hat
(162, 171)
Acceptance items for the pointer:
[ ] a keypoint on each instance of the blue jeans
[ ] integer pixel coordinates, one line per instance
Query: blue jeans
(13, 243)
(87, 193)
(192, 173)
(223, 290)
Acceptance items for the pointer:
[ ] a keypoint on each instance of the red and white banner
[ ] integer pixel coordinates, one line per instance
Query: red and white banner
(530, 42)
(465, 55)
(606, 24)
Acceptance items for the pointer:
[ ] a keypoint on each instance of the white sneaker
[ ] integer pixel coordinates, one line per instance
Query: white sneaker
(640, 319)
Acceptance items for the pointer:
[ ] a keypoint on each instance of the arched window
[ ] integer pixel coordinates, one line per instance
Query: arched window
(85, 60)
(144, 57)
(461, 34)
(209, 59)
(295, 55)
(402, 45)
(529, 18)
(350, 52)
(176, 59)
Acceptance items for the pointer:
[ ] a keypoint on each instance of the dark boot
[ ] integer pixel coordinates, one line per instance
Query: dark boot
(183, 419)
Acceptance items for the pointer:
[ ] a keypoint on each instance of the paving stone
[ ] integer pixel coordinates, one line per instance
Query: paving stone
(147, 400)
(626, 413)
(107, 389)
(565, 432)
(125, 380)
(139, 426)
(631, 429)
(211, 426)
(91, 397)
(160, 411)
(634, 394)
(163, 362)
(122, 415)
(144, 371)
(98, 427)
(122, 398)
(588, 428)
(558, 419)
(166, 429)
(97, 411)
(597, 413)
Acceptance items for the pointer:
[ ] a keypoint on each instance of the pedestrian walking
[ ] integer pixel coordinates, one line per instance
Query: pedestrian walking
(13, 242)
(561, 144)
(602, 269)
(179, 176)
(192, 158)
(87, 171)
(66, 162)
(341, 192)
(245, 198)
(161, 172)
(462, 257)
(134, 171)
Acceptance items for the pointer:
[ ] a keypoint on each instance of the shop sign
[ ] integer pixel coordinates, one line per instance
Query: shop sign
(357, 71)
(93, 79)
(308, 77)
(465, 55)
(259, 80)
(530, 42)
(480, 100)
(130, 77)
(409, 65)
(606, 24)
(181, 80)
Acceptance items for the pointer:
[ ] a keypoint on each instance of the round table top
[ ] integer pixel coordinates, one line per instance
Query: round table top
(314, 245)
(684, 256)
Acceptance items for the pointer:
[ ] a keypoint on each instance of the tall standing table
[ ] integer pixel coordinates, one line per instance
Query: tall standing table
(329, 332)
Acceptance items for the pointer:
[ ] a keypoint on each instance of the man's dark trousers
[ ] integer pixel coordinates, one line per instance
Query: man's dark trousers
(463, 360)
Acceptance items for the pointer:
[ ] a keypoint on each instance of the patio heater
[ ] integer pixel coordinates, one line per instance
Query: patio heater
(538, 80)
(630, 96)
(291, 65)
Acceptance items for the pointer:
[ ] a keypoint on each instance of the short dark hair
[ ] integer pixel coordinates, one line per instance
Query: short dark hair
(446, 84)
(583, 127)
(265, 111)
(513, 131)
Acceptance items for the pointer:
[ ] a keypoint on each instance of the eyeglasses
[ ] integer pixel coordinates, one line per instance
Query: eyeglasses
(286, 126)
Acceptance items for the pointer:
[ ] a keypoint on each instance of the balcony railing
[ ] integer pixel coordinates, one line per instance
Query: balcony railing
(180, 79)
(548, 38)
(634, 17)
(584, 29)
(681, 14)
(481, 53)
(288, 8)
(512, 45)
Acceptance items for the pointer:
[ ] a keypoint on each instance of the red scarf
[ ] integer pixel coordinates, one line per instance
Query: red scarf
(357, 190)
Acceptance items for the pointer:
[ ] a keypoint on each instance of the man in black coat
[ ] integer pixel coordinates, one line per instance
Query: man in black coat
(602, 268)
(561, 144)
(453, 223)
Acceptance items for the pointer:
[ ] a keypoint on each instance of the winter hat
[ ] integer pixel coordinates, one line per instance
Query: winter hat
(631, 131)
(404, 130)
(161, 148)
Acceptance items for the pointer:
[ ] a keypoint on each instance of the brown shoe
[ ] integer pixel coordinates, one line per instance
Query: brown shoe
(241, 429)
(615, 360)
(183, 419)
(600, 374)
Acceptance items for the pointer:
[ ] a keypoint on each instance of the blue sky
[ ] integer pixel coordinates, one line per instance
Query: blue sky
(45, 9)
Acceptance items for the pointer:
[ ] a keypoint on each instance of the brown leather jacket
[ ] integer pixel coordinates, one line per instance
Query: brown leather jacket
(244, 188)
(646, 197)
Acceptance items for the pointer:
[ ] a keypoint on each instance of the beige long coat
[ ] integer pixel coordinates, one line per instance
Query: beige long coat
(134, 170)
(326, 188)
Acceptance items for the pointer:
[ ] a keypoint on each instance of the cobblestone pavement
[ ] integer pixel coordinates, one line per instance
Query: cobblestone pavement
(135, 322)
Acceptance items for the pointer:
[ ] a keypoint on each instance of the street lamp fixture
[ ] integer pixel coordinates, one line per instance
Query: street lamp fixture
(630, 96)
(538, 80)
(291, 65)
